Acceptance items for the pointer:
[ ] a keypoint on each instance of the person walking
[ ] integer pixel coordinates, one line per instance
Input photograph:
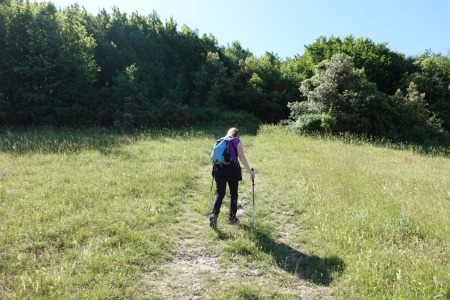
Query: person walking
(230, 174)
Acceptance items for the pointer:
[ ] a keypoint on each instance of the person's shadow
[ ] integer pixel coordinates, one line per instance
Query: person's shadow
(312, 268)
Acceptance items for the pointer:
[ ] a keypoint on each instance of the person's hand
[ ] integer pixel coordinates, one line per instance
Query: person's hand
(252, 173)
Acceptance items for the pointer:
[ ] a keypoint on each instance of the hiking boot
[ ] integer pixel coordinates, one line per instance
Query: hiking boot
(233, 221)
(213, 221)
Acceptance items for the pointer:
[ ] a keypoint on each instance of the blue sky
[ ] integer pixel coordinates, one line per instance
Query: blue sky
(284, 27)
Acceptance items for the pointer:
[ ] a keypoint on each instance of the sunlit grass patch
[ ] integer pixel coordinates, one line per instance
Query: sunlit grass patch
(381, 210)
(88, 213)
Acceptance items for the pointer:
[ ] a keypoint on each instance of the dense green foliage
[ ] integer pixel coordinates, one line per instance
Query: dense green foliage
(72, 68)
(353, 85)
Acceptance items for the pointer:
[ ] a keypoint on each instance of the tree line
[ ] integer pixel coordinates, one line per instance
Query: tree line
(68, 67)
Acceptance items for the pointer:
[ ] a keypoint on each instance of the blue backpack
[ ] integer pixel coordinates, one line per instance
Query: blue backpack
(221, 151)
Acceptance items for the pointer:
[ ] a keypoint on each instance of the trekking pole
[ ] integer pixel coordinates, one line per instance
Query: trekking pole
(254, 209)
(210, 192)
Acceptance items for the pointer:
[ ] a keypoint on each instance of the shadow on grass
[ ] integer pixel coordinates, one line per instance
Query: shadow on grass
(53, 140)
(439, 146)
(223, 236)
(315, 269)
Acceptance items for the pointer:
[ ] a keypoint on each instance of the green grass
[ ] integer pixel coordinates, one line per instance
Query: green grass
(93, 214)
(384, 213)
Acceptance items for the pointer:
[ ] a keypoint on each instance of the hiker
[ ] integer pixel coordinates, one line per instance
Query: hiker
(231, 174)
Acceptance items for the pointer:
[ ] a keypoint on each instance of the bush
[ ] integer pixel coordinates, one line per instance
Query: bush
(174, 114)
(314, 123)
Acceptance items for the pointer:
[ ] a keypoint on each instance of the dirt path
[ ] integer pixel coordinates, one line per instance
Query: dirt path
(196, 270)
(185, 274)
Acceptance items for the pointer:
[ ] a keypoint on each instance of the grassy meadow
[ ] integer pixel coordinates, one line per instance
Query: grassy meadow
(93, 214)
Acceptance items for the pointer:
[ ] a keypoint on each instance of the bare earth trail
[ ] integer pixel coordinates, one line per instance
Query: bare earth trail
(198, 268)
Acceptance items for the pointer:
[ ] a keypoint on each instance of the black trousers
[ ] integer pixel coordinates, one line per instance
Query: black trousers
(227, 174)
